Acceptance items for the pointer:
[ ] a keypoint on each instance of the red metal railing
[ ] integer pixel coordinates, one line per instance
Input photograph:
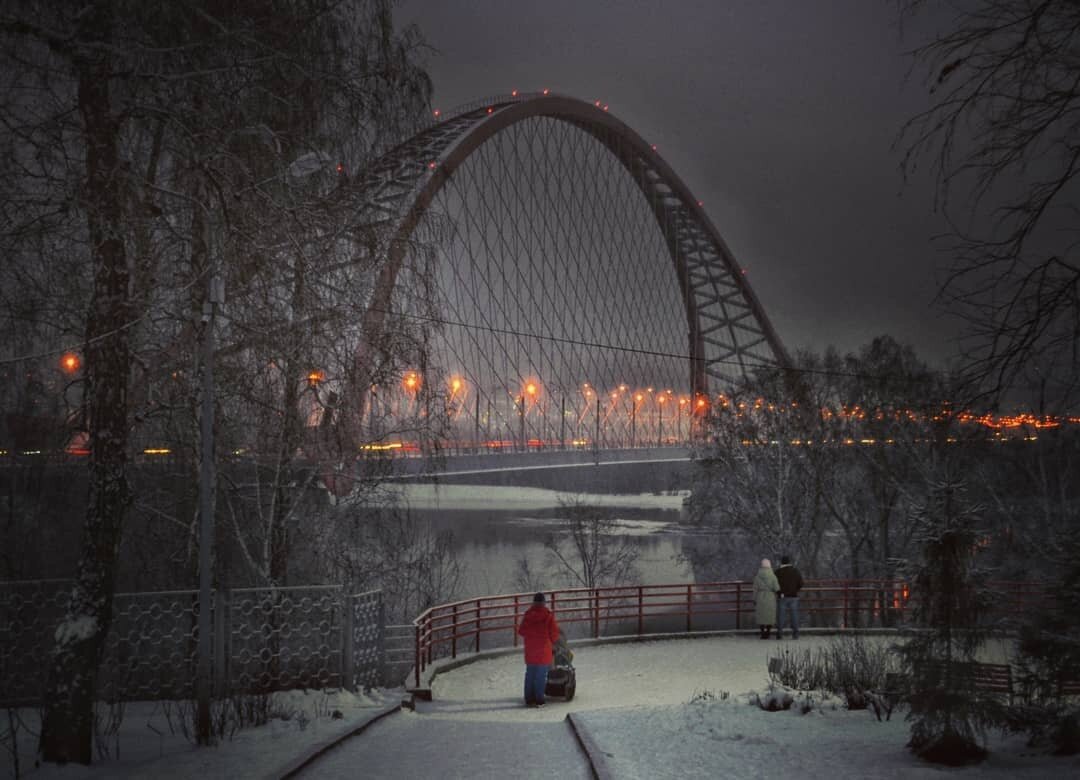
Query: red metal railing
(642, 610)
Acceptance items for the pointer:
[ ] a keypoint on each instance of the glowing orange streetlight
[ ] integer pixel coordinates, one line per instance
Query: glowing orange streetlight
(315, 377)
(70, 363)
(411, 382)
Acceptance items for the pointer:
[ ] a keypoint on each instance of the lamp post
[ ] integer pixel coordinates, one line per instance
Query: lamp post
(660, 429)
(634, 401)
(521, 421)
(529, 393)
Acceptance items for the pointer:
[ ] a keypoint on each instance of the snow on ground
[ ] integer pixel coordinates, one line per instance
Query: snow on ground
(655, 709)
(148, 748)
(509, 497)
(735, 739)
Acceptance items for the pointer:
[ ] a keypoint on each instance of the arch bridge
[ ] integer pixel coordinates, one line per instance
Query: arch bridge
(567, 287)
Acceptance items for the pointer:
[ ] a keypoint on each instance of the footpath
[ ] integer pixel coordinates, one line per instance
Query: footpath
(476, 725)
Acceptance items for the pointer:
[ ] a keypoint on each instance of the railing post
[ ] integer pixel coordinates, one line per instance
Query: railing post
(453, 637)
(738, 606)
(517, 607)
(640, 611)
(416, 653)
(348, 671)
(845, 625)
(689, 606)
(596, 613)
(478, 625)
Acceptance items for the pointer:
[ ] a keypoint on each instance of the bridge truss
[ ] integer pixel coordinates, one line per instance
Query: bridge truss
(570, 286)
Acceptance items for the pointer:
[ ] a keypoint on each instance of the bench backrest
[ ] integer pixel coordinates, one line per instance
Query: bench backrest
(994, 678)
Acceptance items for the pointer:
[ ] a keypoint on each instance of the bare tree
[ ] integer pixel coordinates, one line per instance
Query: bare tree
(1001, 136)
(147, 146)
(587, 548)
(792, 475)
(378, 543)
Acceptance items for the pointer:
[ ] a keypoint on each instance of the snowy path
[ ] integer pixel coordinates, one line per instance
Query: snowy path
(477, 727)
(643, 706)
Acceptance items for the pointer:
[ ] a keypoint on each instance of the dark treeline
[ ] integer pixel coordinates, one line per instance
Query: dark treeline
(836, 472)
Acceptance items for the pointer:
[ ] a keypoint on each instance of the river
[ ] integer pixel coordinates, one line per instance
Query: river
(495, 528)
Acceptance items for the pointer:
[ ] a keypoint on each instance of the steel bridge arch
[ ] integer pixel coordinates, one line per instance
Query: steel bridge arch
(727, 326)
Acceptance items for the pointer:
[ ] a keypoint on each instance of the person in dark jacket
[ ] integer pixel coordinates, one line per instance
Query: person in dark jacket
(539, 630)
(790, 584)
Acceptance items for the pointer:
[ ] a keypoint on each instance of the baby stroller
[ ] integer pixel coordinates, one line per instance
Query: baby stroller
(561, 679)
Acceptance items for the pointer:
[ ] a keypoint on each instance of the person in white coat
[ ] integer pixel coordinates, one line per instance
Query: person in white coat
(765, 589)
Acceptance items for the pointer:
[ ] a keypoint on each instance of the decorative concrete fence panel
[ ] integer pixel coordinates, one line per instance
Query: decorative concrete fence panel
(263, 639)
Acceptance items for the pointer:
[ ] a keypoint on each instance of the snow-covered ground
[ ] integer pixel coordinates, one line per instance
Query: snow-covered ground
(149, 747)
(654, 710)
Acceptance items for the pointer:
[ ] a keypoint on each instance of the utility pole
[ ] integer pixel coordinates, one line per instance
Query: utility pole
(215, 296)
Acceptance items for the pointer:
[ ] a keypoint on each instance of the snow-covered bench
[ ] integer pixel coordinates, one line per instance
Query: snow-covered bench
(980, 678)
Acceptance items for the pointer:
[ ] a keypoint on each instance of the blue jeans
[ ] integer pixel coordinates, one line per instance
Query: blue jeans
(790, 605)
(535, 682)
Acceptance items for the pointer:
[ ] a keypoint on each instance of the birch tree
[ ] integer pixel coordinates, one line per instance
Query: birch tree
(144, 144)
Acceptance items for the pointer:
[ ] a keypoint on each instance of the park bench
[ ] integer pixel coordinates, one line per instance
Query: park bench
(981, 679)
(1067, 687)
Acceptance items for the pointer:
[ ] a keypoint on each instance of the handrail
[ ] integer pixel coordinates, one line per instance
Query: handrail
(649, 609)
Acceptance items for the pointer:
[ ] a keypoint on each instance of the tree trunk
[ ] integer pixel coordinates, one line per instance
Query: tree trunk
(80, 638)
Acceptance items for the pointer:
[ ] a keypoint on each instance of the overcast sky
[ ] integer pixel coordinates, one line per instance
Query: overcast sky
(781, 115)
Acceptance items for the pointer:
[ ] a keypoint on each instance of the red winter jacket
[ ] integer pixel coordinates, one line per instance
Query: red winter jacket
(539, 629)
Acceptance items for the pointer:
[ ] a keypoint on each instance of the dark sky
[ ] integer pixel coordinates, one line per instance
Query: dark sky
(781, 115)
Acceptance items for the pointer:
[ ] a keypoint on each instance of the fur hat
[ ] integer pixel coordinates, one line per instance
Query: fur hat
(785, 560)
(538, 598)
(766, 563)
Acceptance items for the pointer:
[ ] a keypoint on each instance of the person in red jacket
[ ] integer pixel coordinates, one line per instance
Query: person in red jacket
(539, 629)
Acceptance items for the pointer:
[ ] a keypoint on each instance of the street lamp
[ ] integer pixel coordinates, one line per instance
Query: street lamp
(529, 391)
(70, 363)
